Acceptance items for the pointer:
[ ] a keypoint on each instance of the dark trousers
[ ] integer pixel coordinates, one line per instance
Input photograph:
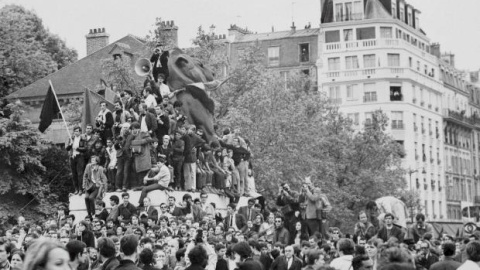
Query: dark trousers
(78, 166)
(177, 164)
(111, 175)
(124, 168)
(90, 196)
(314, 225)
(147, 189)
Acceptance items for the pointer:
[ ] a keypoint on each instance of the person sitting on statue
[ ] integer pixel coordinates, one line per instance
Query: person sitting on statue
(157, 178)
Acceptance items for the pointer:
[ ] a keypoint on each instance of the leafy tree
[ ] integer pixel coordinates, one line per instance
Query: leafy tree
(295, 133)
(119, 74)
(26, 169)
(28, 51)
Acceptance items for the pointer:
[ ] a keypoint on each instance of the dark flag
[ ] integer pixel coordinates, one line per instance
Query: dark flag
(49, 110)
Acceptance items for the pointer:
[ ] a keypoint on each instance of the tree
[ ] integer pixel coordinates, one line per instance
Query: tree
(119, 74)
(24, 177)
(296, 133)
(28, 51)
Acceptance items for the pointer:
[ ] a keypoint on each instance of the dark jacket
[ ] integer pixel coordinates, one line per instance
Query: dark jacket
(127, 265)
(82, 146)
(446, 264)
(280, 263)
(281, 235)
(110, 264)
(222, 264)
(427, 261)
(88, 238)
(126, 211)
(150, 120)
(151, 212)
(103, 215)
(395, 232)
(195, 267)
(240, 222)
(192, 141)
(239, 153)
(244, 211)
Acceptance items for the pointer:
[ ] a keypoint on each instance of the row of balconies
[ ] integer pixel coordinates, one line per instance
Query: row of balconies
(422, 103)
(424, 159)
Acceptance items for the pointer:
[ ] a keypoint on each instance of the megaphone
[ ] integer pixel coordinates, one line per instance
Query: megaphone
(469, 228)
(143, 67)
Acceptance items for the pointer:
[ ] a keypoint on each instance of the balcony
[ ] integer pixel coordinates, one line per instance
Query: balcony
(381, 72)
(460, 118)
(349, 17)
(336, 100)
(383, 43)
(476, 199)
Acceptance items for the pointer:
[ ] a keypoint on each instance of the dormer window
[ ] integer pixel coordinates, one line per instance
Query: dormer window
(117, 56)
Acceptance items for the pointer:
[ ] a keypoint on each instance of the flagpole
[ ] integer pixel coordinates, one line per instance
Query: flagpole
(60, 108)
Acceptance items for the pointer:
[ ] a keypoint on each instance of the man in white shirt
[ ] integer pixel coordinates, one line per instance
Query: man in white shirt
(345, 248)
(473, 255)
(206, 207)
(164, 89)
(161, 178)
(111, 164)
(149, 97)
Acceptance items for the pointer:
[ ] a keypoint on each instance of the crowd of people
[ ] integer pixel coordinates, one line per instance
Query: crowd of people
(193, 235)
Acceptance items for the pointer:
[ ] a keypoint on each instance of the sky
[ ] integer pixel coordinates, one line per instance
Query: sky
(454, 24)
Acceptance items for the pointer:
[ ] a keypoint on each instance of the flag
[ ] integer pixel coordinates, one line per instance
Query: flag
(91, 107)
(50, 110)
(110, 95)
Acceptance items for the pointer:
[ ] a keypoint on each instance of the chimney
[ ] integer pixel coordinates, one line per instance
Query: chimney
(170, 31)
(435, 49)
(96, 39)
(449, 58)
(293, 27)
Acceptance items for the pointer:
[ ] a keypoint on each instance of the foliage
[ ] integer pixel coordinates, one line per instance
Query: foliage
(72, 111)
(295, 133)
(24, 177)
(209, 49)
(28, 51)
(412, 201)
(119, 74)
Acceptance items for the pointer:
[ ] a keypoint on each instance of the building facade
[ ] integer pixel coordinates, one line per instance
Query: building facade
(374, 55)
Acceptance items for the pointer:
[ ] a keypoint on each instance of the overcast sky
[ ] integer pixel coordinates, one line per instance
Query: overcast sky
(455, 24)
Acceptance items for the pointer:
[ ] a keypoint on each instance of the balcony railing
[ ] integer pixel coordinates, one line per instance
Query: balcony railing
(460, 116)
(369, 98)
(349, 17)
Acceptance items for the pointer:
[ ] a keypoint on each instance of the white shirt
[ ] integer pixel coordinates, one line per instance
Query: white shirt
(289, 262)
(112, 155)
(143, 124)
(164, 90)
(342, 262)
(150, 101)
(469, 265)
(75, 146)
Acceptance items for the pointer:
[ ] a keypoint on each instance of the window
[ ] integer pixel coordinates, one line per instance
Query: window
(348, 12)
(369, 92)
(355, 117)
(418, 65)
(339, 12)
(369, 61)
(351, 62)
(397, 120)
(332, 36)
(394, 12)
(386, 32)
(348, 34)
(396, 93)
(351, 89)
(335, 95)
(273, 56)
(366, 33)
(334, 63)
(410, 62)
(304, 52)
(368, 118)
(393, 60)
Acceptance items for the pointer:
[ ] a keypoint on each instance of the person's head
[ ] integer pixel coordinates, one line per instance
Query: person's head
(125, 197)
(106, 247)
(278, 222)
(362, 217)
(198, 255)
(312, 257)
(92, 253)
(146, 257)
(129, 244)
(231, 208)
(118, 105)
(473, 251)
(289, 251)
(251, 202)
(77, 250)
(298, 226)
(89, 129)
(420, 218)
(77, 131)
(203, 197)
(241, 251)
(114, 200)
(388, 218)
(83, 225)
(171, 201)
(345, 246)
(220, 249)
(180, 255)
(128, 94)
(372, 248)
(5, 250)
(448, 249)
(362, 262)
(142, 108)
(103, 105)
(17, 260)
(46, 254)
(425, 247)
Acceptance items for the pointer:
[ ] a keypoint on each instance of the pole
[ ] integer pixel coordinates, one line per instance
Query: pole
(60, 108)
